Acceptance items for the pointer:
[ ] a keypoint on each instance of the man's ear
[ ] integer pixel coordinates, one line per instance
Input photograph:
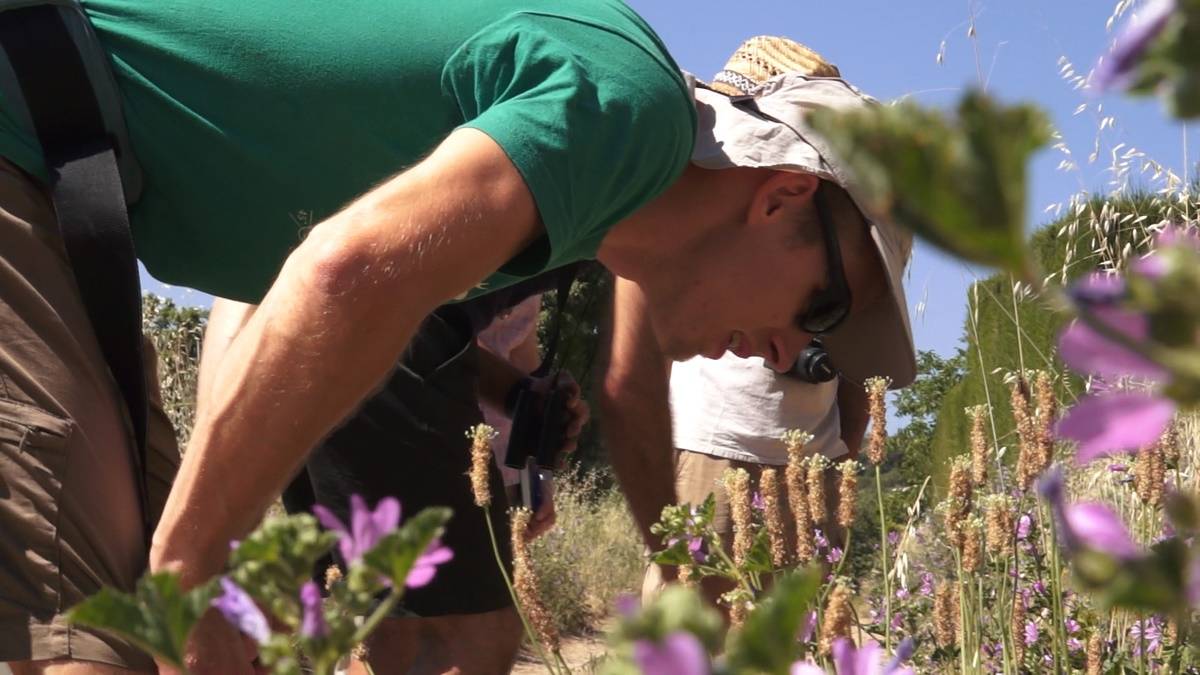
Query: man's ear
(783, 196)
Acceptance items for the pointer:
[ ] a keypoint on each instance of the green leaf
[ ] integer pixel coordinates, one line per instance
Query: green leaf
(157, 617)
(767, 642)
(958, 182)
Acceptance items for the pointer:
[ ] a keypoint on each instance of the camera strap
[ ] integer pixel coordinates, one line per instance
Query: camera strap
(563, 295)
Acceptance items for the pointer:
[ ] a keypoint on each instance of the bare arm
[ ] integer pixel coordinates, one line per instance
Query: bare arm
(635, 414)
(852, 412)
(225, 321)
(342, 309)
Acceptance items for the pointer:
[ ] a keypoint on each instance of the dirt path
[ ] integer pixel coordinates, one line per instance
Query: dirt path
(580, 653)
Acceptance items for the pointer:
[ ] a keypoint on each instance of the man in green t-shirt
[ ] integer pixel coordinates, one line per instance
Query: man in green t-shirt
(350, 167)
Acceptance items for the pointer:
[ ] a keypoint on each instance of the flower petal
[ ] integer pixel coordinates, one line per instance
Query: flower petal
(679, 653)
(312, 620)
(1098, 288)
(1119, 422)
(387, 516)
(904, 652)
(420, 575)
(1117, 68)
(1095, 526)
(1086, 351)
(805, 668)
(239, 609)
(329, 520)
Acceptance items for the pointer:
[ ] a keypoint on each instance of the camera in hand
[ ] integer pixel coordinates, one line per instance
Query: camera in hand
(539, 430)
(814, 364)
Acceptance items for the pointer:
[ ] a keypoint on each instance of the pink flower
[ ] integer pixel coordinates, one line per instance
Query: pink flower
(1117, 69)
(1088, 525)
(679, 653)
(426, 565)
(1125, 421)
(867, 660)
(312, 619)
(367, 527)
(239, 609)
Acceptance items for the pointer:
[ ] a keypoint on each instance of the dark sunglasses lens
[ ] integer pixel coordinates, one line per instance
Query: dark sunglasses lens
(824, 314)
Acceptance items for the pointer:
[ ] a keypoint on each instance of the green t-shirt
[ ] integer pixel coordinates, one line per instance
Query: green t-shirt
(254, 120)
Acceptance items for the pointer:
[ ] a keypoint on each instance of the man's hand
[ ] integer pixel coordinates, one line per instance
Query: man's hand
(545, 516)
(578, 411)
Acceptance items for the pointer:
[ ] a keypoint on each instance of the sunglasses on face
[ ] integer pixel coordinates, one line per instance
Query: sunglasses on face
(829, 305)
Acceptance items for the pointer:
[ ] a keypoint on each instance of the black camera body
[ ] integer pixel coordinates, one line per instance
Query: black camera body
(814, 365)
(539, 427)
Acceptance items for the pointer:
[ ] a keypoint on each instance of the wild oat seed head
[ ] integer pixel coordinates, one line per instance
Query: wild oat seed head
(481, 436)
(737, 486)
(839, 617)
(848, 493)
(816, 489)
(945, 614)
(877, 408)
(768, 486)
(979, 444)
(525, 582)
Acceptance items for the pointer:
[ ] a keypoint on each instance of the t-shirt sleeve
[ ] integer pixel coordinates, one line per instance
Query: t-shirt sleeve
(596, 125)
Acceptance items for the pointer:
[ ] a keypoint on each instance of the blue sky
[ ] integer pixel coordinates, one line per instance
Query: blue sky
(889, 49)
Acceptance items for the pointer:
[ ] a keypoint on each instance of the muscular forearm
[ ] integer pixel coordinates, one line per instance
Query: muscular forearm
(635, 419)
(225, 321)
(343, 307)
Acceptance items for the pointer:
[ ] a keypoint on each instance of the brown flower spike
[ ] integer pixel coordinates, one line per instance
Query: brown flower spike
(1000, 519)
(816, 490)
(525, 582)
(958, 504)
(1095, 654)
(848, 493)
(481, 436)
(737, 486)
(839, 617)
(945, 614)
(1047, 410)
(795, 477)
(979, 444)
(768, 486)
(1027, 460)
(876, 394)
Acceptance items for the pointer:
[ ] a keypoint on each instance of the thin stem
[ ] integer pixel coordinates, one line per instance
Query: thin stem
(883, 557)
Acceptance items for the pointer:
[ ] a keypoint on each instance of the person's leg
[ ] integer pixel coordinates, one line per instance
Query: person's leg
(69, 508)
(409, 441)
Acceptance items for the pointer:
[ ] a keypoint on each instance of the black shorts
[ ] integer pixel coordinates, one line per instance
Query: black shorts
(409, 441)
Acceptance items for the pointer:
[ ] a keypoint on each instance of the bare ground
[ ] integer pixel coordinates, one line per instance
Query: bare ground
(581, 653)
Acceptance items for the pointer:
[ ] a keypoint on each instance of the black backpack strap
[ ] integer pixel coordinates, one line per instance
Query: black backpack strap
(88, 199)
(562, 295)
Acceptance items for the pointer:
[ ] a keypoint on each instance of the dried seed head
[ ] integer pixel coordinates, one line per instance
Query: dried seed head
(839, 617)
(848, 493)
(1170, 445)
(737, 486)
(998, 513)
(945, 614)
(972, 549)
(1047, 410)
(1016, 625)
(360, 652)
(876, 395)
(797, 490)
(684, 576)
(1149, 473)
(1095, 654)
(525, 582)
(333, 574)
(958, 503)
(481, 436)
(816, 489)
(979, 444)
(1027, 459)
(768, 486)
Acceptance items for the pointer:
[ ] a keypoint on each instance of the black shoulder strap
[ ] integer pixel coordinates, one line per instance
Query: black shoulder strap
(562, 295)
(87, 195)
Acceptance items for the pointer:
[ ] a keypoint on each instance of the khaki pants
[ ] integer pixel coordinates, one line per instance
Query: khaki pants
(697, 475)
(70, 521)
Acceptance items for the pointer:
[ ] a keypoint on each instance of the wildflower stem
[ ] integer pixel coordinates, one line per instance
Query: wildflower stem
(883, 559)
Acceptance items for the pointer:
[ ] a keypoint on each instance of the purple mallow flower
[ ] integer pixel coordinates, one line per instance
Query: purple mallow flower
(834, 555)
(809, 625)
(239, 609)
(757, 503)
(1024, 524)
(367, 527)
(679, 653)
(696, 548)
(1116, 69)
(1148, 632)
(1031, 633)
(926, 583)
(1086, 525)
(312, 618)
(867, 660)
(426, 565)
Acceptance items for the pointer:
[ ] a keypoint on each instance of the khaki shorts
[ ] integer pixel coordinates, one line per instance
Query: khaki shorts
(697, 475)
(70, 521)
